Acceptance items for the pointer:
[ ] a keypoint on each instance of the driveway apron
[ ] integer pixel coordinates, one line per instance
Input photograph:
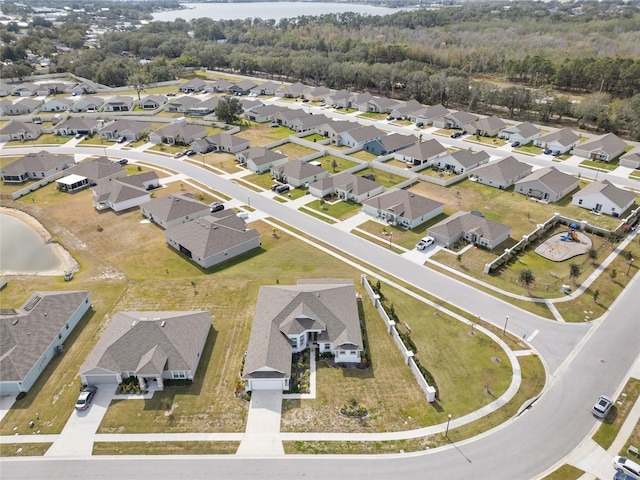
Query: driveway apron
(262, 436)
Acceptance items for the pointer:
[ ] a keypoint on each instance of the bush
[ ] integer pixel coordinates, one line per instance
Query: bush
(428, 377)
(408, 343)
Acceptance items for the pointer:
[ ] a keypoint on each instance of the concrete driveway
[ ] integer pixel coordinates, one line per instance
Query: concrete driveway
(262, 436)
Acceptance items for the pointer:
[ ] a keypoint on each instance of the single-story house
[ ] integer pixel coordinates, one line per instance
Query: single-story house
(458, 120)
(213, 239)
(339, 98)
(406, 109)
(15, 130)
(84, 88)
(290, 318)
(502, 173)
(401, 207)
(346, 186)
(421, 153)
(523, 133)
(473, 228)
(461, 161)
(260, 159)
(631, 159)
(178, 134)
(307, 123)
(221, 142)
(360, 101)
(34, 334)
(298, 173)
(149, 346)
(26, 89)
(172, 210)
(119, 104)
(181, 104)
(249, 103)
(357, 137)
(218, 86)
(285, 117)
(317, 94)
(263, 113)
(389, 143)
(87, 104)
(605, 147)
(193, 85)
(152, 102)
(561, 140)
(131, 130)
(488, 127)
(204, 107)
(54, 88)
(428, 115)
(604, 197)
(382, 104)
(35, 166)
(333, 128)
(58, 104)
(5, 105)
(295, 90)
(89, 173)
(123, 193)
(24, 106)
(242, 88)
(76, 125)
(266, 88)
(548, 184)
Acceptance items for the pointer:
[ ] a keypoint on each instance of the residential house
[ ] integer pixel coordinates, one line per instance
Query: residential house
(192, 86)
(76, 125)
(547, 184)
(357, 137)
(131, 130)
(428, 115)
(333, 128)
(338, 98)
(172, 210)
(298, 173)
(25, 90)
(317, 94)
(488, 127)
(559, 141)
(89, 173)
(266, 88)
(205, 107)
(35, 166)
(34, 334)
(178, 134)
(152, 102)
(5, 105)
(213, 239)
(149, 346)
(406, 109)
(84, 88)
(87, 104)
(219, 86)
(522, 133)
(604, 197)
(461, 161)
(403, 208)
(456, 120)
(346, 186)
(290, 318)
(120, 194)
(53, 88)
(360, 101)
(421, 153)
(221, 142)
(605, 147)
(242, 88)
(310, 122)
(15, 130)
(5, 89)
(119, 104)
(389, 143)
(57, 104)
(285, 117)
(473, 228)
(631, 159)
(181, 104)
(502, 173)
(263, 113)
(24, 106)
(381, 104)
(260, 159)
(249, 103)
(295, 90)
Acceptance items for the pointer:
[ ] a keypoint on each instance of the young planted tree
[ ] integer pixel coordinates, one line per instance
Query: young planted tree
(593, 254)
(526, 277)
(574, 272)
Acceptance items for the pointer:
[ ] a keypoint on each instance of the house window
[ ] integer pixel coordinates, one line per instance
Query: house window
(327, 346)
(352, 353)
(179, 374)
(580, 202)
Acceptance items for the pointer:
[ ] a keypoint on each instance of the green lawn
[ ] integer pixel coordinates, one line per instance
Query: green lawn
(315, 137)
(609, 166)
(24, 449)
(339, 210)
(165, 448)
(374, 115)
(293, 150)
(529, 149)
(489, 141)
(363, 155)
(401, 236)
(610, 427)
(44, 139)
(335, 164)
(565, 472)
(387, 179)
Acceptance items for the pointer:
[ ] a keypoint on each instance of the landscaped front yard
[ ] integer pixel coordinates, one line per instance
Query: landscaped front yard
(340, 210)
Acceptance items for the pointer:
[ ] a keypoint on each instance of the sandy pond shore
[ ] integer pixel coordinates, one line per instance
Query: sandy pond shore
(67, 262)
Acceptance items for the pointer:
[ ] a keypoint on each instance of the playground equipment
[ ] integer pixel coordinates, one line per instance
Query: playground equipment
(570, 236)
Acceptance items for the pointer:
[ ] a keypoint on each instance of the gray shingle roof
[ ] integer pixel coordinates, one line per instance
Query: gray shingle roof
(348, 182)
(362, 134)
(262, 155)
(298, 169)
(227, 140)
(395, 141)
(125, 125)
(489, 123)
(15, 126)
(467, 222)
(37, 162)
(423, 150)
(171, 207)
(467, 158)
(525, 129)
(555, 180)
(406, 204)
(96, 169)
(620, 197)
(504, 170)
(564, 137)
(609, 143)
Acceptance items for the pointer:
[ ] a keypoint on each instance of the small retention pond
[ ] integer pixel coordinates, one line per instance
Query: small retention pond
(23, 250)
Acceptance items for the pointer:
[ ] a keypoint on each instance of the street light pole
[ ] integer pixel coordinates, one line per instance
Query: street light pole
(390, 238)
(506, 322)
(446, 433)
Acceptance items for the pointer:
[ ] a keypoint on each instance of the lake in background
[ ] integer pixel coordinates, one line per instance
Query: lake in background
(22, 249)
(266, 10)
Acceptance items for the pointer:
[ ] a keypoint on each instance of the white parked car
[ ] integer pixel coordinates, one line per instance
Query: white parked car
(626, 466)
(602, 406)
(425, 242)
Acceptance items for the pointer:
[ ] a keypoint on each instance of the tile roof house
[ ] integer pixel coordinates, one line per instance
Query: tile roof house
(427, 115)
(401, 207)
(76, 125)
(213, 239)
(123, 193)
(547, 184)
(389, 143)
(559, 141)
(221, 142)
(35, 333)
(87, 104)
(473, 228)
(152, 102)
(298, 173)
(90, 172)
(15, 130)
(346, 186)
(291, 318)
(523, 133)
(502, 173)
(131, 130)
(178, 134)
(172, 210)
(192, 86)
(150, 346)
(59, 104)
(260, 159)
(24, 106)
(605, 148)
(263, 113)
(357, 137)
(421, 153)
(604, 197)
(119, 104)
(35, 166)
(488, 127)
(461, 161)
(631, 159)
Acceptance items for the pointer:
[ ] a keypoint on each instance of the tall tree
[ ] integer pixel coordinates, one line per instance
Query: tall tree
(229, 110)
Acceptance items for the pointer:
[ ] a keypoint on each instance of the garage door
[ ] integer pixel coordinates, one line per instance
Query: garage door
(267, 384)
(101, 379)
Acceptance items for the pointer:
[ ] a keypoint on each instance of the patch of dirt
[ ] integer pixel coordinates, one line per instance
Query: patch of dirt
(496, 359)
